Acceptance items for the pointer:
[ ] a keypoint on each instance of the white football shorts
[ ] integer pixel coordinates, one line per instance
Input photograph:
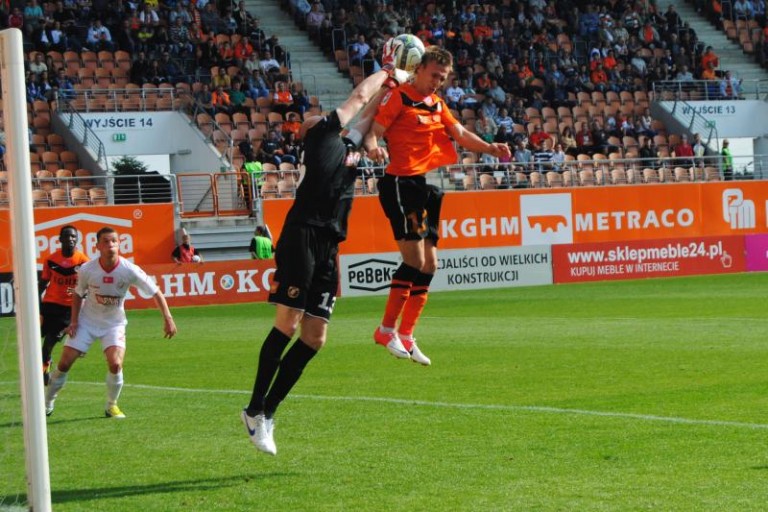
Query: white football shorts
(86, 334)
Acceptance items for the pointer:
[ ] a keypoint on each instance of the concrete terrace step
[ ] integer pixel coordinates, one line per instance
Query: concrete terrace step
(309, 64)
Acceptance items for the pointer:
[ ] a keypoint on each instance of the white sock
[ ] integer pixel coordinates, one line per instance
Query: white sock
(55, 383)
(114, 386)
(386, 330)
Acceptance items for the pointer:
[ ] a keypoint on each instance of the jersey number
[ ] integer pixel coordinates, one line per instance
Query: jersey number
(327, 303)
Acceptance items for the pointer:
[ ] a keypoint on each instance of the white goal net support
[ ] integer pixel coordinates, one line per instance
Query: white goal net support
(21, 393)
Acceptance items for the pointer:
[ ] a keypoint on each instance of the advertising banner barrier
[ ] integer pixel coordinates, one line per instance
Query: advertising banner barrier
(504, 218)
(458, 269)
(648, 258)
(195, 284)
(146, 231)
(757, 252)
(7, 304)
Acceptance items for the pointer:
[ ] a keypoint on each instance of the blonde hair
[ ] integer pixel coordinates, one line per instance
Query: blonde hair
(437, 55)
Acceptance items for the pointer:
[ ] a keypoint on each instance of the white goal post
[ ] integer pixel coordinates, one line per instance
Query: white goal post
(25, 269)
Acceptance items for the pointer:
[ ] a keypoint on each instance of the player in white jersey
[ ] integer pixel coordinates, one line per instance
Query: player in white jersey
(98, 313)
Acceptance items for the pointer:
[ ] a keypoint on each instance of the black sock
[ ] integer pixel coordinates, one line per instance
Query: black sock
(291, 367)
(48, 344)
(269, 361)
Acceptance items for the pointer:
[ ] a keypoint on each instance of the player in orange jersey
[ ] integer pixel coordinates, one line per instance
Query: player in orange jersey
(56, 283)
(419, 130)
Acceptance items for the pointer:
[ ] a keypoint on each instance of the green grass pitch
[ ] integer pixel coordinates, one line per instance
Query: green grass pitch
(616, 396)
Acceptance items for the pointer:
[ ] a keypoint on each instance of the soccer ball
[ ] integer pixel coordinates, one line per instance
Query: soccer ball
(196, 258)
(408, 50)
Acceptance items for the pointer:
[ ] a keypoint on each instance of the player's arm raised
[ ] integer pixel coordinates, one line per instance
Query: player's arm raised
(472, 142)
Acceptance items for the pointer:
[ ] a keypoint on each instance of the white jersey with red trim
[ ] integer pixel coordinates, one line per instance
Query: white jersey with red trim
(104, 291)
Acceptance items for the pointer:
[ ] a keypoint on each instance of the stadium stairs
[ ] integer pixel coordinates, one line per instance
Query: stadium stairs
(309, 65)
(732, 56)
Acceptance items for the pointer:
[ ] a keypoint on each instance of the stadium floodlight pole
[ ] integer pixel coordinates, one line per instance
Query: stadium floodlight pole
(25, 270)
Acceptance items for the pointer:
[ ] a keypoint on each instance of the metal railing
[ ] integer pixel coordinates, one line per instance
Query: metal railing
(84, 134)
(708, 90)
(99, 190)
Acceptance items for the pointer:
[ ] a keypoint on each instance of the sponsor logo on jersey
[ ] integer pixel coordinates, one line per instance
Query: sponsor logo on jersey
(108, 279)
(293, 292)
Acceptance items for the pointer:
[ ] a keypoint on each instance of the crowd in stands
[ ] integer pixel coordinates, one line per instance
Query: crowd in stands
(553, 78)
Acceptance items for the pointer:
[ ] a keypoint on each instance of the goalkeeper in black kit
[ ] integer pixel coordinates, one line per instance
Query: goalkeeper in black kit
(305, 283)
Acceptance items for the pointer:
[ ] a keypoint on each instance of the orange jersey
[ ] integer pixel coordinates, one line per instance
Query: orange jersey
(61, 274)
(416, 131)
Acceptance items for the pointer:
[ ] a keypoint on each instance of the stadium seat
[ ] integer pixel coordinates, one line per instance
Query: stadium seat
(79, 196)
(269, 190)
(59, 197)
(84, 178)
(98, 196)
(40, 198)
(64, 179)
(51, 161)
(650, 175)
(618, 177)
(682, 175)
(712, 173)
(554, 179)
(586, 178)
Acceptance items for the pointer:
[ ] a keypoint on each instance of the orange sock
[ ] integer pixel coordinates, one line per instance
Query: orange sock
(415, 303)
(399, 291)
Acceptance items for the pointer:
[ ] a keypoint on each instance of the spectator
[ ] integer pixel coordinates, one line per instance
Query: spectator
(358, 50)
(16, 19)
(282, 100)
(243, 51)
(148, 16)
(181, 39)
(52, 37)
(730, 86)
(125, 38)
(38, 66)
(185, 252)
(292, 125)
(144, 36)
(315, 20)
(558, 158)
(584, 140)
(269, 66)
(538, 137)
(271, 149)
(261, 247)
(504, 119)
(454, 95)
(237, 98)
(257, 86)
(569, 141)
(485, 126)
(709, 60)
(523, 157)
(64, 85)
(727, 161)
(684, 75)
(699, 149)
(33, 19)
(683, 152)
(222, 79)
(244, 22)
(220, 100)
(99, 37)
(648, 153)
(543, 156)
